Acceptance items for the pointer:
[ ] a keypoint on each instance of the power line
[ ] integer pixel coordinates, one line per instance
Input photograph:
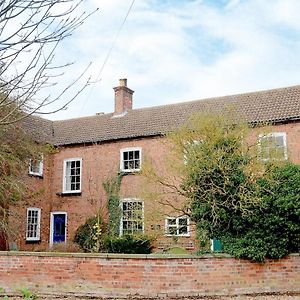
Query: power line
(109, 52)
(114, 41)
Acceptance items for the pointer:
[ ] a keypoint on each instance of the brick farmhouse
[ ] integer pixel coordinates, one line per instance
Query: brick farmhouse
(91, 149)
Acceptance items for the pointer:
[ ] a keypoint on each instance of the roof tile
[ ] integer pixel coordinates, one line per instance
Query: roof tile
(275, 105)
(271, 105)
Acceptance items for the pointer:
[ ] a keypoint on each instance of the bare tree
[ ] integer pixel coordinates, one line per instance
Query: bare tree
(30, 32)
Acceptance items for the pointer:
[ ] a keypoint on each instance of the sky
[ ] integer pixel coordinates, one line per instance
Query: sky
(180, 50)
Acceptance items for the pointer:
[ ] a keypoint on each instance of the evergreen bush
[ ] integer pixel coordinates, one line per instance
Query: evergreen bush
(89, 236)
(129, 244)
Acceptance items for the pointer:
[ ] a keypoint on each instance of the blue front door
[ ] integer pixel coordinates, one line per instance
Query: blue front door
(59, 228)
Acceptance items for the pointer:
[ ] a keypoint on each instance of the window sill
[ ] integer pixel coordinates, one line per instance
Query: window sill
(133, 172)
(32, 241)
(178, 235)
(68, 194)
(36, 175)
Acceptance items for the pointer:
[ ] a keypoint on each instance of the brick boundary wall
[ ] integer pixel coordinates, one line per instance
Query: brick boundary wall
(113, 275)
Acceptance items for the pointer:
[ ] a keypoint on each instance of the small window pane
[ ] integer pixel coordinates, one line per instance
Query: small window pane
(172, 221)
(136, 154)
(137, 164)
(131, 165)
(183, 230)
(182, 221)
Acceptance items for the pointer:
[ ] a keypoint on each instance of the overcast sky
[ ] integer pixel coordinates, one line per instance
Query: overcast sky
(180, 50)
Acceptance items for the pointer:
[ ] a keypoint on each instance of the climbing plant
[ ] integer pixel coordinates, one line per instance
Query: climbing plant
(112, 188)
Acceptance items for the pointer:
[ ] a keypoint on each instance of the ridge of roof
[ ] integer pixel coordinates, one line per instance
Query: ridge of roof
(203, 100)
(216, 98)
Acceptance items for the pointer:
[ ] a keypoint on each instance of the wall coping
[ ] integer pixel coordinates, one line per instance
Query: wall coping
(119, 255)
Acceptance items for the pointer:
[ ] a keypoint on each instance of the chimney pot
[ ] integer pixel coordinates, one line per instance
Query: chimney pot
(123, 82)
(123, 98)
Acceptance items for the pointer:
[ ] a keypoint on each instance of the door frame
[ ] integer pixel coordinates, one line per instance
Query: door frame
(52, 214)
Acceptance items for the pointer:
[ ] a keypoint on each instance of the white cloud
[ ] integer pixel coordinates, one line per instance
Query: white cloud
(232, 4)
(186, 50)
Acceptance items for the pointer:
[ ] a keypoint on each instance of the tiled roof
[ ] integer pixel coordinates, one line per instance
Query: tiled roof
(275, 105)
(41, 130)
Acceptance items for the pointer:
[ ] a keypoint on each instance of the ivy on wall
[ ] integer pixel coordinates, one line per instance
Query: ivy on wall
(112, 187)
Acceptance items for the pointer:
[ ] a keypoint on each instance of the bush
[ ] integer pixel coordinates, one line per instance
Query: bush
(129, 244)
(68, 247)
(272, 230)
(89, 236)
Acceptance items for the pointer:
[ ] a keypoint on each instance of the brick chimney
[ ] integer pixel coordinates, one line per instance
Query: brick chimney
(123, 98)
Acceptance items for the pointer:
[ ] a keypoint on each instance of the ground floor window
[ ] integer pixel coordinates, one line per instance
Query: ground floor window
(33, 224)
(177, 226)
(132, 220)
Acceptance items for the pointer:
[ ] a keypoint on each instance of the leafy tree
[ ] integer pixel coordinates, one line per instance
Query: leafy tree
(15, 150)
(213, 167)
(231, 195)
(30, 33)
(272, 230)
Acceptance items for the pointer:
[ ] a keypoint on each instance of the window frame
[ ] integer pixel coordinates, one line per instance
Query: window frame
(66, 161)
(122, 160)
(177, 226)
(261, 136)
(121, 233)
(36, 238)
(193, 143)
(41, 167)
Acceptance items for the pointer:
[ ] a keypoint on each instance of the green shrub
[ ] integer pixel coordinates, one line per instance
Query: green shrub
(89, 236)
(68, 247)
(27, 294)
(272, 230)
(129, 244)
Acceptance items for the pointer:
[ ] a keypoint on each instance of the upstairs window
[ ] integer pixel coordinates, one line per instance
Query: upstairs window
(272, 146)
(130, 159)
(177, 226)
(132, 220)
(33, 224)
(188, 148)
(36, 166)
(72, 175)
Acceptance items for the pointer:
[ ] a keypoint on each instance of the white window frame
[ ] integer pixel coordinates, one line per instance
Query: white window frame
(65, 190)
(121, 208)
(52, 223)
(190, 144)
(122, 161)
(272, 134)
(37, 237)
(177, 226)
(41, 166)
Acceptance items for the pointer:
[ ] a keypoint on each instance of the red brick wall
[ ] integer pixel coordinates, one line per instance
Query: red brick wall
(123, 275)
